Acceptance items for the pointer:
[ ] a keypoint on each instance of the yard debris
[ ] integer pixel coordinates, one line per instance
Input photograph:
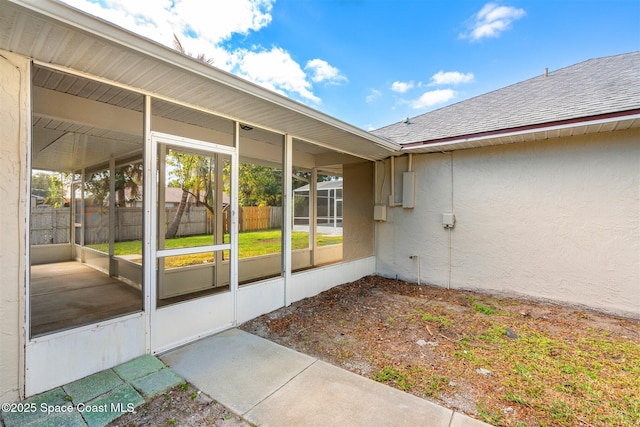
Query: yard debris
(511, 333)
(483, 371)
(545, 379)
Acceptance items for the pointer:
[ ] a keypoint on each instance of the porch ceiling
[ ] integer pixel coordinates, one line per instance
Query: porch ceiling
(53, 33)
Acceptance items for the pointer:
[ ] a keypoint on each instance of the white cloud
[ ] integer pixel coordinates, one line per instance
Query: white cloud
(450, 78)
(212, 21)
(492, 20)
(276, 70)
(373, 95)
(431, 98)
(401, 87)
(321, 71)
(203, 27)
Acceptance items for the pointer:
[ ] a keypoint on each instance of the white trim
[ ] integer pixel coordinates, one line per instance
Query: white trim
(193, 144)
(84, 328)
(27, 283)
(25, 316)
(497, 134)
(287, 214)
(106, 30)
(193, 338)
(73, 72)
(148, 261)
(161, 253)
(233, 228)
(60, 358)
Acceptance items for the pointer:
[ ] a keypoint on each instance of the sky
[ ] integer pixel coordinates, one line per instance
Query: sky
(372, 63)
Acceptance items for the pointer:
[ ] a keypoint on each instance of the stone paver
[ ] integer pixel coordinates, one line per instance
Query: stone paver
(101, 411)
(157, 382)
(92, 386)
(32, 408)
(96, 400)
(139, 367)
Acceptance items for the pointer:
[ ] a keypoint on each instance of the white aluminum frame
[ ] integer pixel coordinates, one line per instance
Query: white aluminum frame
(192, 319)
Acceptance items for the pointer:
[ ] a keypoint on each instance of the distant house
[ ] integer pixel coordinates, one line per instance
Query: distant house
(529, 190)
(329, 206)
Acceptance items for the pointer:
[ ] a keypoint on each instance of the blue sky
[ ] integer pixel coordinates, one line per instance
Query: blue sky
(373, 62)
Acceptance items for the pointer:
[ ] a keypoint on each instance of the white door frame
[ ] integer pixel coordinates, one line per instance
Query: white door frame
(177, 324)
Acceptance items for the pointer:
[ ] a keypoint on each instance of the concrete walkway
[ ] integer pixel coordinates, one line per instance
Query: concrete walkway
(270, 385)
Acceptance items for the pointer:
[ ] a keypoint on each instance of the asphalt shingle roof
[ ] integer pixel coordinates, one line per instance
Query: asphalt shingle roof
(590, 88)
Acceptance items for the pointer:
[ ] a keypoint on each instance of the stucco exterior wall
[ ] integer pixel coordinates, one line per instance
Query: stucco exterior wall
(357, 205)
(557, 220)
(13, 197)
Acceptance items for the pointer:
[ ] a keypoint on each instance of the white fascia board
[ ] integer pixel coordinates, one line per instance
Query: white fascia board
(94, 25)
(451, 144)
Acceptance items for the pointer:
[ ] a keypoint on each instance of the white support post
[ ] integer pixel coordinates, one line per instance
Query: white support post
(112, 217)
(83, 210)
(149, 221)
(161, 228)
(313, 214)
(287, 214)
(233, 229)
(218, 216)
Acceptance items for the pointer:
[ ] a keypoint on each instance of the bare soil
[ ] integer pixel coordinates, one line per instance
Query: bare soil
(183, 406)
(505, 361)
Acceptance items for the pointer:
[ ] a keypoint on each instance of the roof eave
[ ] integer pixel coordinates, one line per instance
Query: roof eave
(103, 29)
(497, 137)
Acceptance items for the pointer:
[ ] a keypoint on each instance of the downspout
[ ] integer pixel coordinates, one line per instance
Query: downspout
(452, 211)
(392, 196)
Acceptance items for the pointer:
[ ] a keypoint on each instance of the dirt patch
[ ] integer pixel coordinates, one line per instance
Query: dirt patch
(505, 361)
(183, 406)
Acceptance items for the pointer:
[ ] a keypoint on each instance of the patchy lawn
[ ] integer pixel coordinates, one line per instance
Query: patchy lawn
(250, 244)
(504, 361)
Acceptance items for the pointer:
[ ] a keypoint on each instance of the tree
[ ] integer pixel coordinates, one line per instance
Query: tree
(200, 57)
(53, 188)
(55, 192)
(259, 185)
(193, 174)
(98, 187)
(128, 177)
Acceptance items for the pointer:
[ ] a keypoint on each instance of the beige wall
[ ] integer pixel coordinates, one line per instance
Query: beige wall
(357, 205)
(556, 220)
(13, 191)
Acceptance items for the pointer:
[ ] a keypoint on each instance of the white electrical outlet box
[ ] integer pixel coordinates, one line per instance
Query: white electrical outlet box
(408, 190)
(380, 212)
(448, 220)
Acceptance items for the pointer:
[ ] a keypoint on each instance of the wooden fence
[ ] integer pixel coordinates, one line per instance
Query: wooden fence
(52, 225)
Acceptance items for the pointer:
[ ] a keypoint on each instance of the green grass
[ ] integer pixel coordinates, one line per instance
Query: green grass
(440, 320)
(412, 377)
(481, 308)
(566, 378)
(250, 244)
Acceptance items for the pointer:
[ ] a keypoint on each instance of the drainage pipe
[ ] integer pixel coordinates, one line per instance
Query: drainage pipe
(417, 258)
(392, 197)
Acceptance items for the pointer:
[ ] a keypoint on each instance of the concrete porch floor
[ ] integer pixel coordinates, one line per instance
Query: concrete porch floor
(271, 385)
(70, 294)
